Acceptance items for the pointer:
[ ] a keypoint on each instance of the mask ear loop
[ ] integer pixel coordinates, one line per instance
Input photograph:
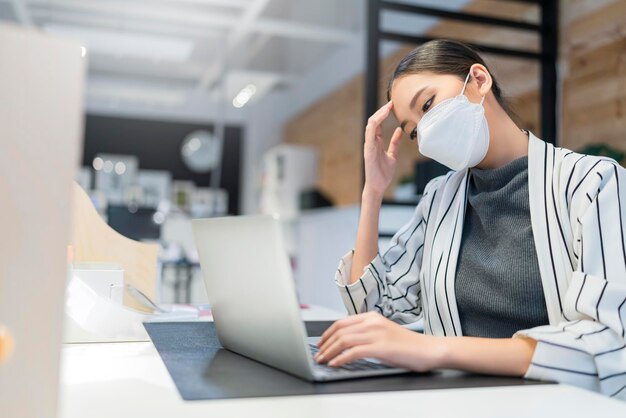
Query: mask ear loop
(465, 85)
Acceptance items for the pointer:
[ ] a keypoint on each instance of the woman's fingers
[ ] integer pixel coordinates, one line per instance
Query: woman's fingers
(352, 354)
(394, 144)
(341, 344)
(357, 328)
(341, 323)
(376, 119)
(381, 114)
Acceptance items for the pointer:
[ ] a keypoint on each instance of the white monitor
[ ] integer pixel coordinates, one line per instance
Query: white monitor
(41, 125)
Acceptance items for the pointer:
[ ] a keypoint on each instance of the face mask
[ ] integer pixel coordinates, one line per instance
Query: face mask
(455, 132)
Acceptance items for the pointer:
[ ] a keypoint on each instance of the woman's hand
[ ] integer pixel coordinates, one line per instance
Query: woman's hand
(380, 165)
(372, 335)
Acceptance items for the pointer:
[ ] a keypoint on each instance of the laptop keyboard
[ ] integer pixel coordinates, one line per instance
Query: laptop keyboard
(352, 366)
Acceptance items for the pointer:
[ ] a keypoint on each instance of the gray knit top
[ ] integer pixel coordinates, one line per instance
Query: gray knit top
(498, 284)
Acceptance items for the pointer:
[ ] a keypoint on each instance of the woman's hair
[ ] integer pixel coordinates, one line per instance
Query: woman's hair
(444, 56)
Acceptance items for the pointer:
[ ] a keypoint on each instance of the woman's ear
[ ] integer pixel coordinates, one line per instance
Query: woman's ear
(482, 77)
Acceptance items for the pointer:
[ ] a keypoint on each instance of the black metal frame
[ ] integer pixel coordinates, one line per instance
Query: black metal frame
(547, 29)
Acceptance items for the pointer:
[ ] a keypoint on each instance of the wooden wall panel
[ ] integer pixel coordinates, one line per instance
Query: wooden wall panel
(595, 28)
(593, 52)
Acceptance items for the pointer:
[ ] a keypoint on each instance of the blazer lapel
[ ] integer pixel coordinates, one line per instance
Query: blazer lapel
(446, 240)
(540, 168)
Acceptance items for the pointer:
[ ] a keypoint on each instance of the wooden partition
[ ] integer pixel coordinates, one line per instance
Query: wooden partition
(94, 241)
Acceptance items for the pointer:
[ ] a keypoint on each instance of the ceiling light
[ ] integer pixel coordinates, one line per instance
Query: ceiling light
(244, 95)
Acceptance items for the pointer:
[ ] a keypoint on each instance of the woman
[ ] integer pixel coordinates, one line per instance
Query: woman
(515, 259)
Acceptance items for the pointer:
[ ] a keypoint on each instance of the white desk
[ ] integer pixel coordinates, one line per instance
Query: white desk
(117, 380)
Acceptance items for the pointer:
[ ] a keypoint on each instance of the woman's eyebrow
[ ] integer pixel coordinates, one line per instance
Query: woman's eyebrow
(412, 104)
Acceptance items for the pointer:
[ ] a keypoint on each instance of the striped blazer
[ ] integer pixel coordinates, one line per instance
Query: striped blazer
(577, 211)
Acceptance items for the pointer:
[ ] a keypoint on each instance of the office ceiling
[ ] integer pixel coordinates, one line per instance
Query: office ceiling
(165, 47)
(185, 54)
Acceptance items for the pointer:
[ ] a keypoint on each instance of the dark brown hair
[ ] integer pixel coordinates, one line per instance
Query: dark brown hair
(444, 56)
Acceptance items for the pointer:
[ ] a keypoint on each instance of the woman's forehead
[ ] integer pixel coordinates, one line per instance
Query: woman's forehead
(407, 84)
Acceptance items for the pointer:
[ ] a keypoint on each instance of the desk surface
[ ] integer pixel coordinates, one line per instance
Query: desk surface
(130, 380)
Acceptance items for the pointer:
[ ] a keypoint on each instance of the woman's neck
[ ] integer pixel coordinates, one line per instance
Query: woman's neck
(507, 142)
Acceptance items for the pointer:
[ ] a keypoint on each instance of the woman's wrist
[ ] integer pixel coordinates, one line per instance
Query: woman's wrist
(441, 352)
(426, 353)
(370, 196)
(503, 356)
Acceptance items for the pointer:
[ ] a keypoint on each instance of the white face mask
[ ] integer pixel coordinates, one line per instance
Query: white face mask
(455, 132)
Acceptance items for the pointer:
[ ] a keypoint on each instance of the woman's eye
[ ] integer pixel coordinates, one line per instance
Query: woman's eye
(413, 134)
(427, 105)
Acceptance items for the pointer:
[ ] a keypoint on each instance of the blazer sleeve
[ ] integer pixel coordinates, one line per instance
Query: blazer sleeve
(589, 350)
(390, 283)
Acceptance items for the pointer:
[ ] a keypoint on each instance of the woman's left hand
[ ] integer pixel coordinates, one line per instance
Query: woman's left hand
(372, 335)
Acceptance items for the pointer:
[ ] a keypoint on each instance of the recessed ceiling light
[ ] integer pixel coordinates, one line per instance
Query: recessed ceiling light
(244, 95)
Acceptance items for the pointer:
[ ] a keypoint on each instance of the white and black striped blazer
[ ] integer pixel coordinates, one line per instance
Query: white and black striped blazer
(578, 212)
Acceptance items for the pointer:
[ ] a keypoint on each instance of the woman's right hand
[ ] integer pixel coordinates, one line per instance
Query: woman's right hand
(380, 164)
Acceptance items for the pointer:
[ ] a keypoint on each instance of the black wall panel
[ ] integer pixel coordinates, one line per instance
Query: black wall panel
(157, 145)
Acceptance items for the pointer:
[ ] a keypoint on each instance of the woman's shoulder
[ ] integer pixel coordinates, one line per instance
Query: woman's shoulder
(584, 176)
(542, 153)
(579, 166)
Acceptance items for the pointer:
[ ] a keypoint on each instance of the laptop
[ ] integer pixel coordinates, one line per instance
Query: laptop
(41, 124)
(253, 298)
